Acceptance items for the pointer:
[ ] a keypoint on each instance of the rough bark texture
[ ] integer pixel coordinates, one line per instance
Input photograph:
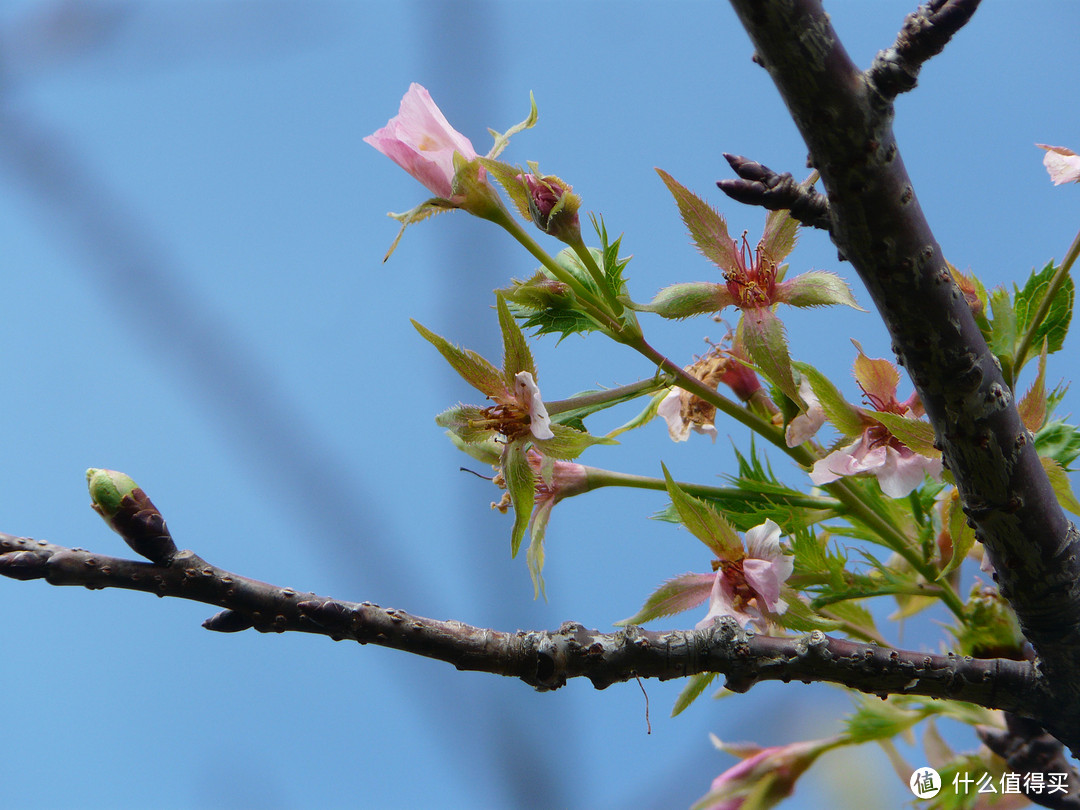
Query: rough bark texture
(845, 116)
(543, 659)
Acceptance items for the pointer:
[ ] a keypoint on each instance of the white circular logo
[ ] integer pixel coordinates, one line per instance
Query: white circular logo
(925, 783)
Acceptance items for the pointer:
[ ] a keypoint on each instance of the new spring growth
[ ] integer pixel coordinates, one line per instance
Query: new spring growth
(131, 514)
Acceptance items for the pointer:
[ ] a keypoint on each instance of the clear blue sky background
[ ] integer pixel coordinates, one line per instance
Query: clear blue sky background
(191, 232)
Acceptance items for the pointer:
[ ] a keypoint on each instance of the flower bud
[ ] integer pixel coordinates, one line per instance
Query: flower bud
(553, 206)
(131, 514)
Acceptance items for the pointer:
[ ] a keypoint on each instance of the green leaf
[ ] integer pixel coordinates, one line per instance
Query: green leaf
(963, 536)
(1059, 440)
(475, 370)
(841, 414)
(915, 433)
(1003, 334)
(708, 230)
(1055, 325)
(1060, 482)
(763, 335)
(547, 305)
(674, 596)
(520, 486)
(695, 685)
(613, 266)
(853, 614)
(880, 720)
(704, 523)
(516, 354)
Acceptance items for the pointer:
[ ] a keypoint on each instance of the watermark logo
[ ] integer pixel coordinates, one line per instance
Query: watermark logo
(925, 783)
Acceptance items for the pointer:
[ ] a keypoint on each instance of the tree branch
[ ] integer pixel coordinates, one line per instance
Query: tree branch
(760, 185)
(846, 121)
(543, 659)
(1027, 749)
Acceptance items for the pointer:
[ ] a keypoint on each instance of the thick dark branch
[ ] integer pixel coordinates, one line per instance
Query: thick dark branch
(926, 32)
(1027, 749)
(760, 185)
(543, 659)
(879, 226)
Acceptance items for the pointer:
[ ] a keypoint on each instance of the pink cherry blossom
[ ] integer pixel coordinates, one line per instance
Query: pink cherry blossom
(1062, 164)
(421, 141)
(898, 468)
(748, 588)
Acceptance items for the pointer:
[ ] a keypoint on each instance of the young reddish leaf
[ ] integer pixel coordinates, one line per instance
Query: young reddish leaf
(1033, 406)
(707, 228)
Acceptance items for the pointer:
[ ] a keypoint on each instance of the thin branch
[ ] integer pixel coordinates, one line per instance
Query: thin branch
(1027, 749)
(879, 227)
(543, 659)
(925, 34)
(760, 185)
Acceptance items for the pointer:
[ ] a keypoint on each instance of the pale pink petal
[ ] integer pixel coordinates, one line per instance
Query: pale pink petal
(528, 396)
(421, 141)
(670, 410)
(766, 578)
(850, 460)
(903, 470)
(1062, 164)
(763, 542)
(808, 422)
(721, 604)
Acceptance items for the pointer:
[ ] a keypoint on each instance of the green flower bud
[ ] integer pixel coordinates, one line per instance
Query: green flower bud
(131, 514)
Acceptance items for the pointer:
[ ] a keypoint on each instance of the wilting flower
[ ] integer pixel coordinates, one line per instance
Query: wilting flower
(683, 411)
(518, 418)
(753, 282)
(1062, 164)
(884, 445)
(420, 140)
(769, 774)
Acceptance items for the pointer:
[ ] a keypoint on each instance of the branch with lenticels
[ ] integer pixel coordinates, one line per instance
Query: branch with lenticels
(845, 116)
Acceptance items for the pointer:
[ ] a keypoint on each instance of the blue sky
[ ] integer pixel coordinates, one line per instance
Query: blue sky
(191, 232)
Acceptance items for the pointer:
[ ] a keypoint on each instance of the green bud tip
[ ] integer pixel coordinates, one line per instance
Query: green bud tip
(107, 489)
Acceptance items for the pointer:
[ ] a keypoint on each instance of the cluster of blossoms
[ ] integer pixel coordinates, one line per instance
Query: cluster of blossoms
(532, 447)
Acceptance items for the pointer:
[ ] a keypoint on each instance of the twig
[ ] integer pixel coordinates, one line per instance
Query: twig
(543, 659)
(879, 227)
(760, 185)
(925, 33)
